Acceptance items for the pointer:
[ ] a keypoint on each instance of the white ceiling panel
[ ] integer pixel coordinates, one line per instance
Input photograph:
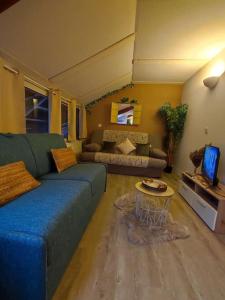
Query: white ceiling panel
(86, 47)
(50, 36)
(179, 29)
(165, 71)
(100, 72)
(190, 31)
(118, 83)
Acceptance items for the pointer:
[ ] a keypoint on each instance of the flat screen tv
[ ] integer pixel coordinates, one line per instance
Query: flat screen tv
(210, 164)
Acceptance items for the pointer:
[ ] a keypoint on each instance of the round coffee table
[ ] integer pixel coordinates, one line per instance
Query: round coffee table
(152, 207)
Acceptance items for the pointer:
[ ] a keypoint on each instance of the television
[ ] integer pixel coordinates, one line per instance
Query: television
(210, 164)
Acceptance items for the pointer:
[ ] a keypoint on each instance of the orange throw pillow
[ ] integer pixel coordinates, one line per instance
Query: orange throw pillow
(64, 158)
(15, 180)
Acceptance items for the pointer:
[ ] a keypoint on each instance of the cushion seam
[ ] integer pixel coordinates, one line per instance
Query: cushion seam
(64, 179)
(27, 141)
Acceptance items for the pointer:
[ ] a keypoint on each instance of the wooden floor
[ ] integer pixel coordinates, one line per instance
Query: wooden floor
(105, 266)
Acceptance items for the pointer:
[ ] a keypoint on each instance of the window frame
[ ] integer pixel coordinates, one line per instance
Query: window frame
(78, 122)
(65, 102)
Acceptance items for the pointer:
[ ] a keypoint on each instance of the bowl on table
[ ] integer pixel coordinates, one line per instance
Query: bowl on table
(154, 185)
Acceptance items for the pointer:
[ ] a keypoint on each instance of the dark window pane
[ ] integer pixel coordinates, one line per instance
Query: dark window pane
(77, 123)
(64, 112)
(36, 112)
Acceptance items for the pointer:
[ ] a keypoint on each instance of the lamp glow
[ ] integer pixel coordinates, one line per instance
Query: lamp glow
(35, 101)
(218, 69)
(212, 50)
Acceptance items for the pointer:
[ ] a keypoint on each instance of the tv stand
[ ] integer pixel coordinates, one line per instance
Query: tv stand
(208, 202)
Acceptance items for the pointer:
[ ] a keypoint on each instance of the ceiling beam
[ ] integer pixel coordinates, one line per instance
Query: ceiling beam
(94, 55)
(108, 85)
(5, 4)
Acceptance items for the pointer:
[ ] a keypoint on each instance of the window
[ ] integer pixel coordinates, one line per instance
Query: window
(77, 123)
(37, 113)
(64, 115)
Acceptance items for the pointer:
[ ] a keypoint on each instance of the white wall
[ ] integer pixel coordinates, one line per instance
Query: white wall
(206, 110)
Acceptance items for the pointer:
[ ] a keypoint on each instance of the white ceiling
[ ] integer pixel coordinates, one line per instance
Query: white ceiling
(175, 38)
(90, 78)
(67, 42)
(87, 47)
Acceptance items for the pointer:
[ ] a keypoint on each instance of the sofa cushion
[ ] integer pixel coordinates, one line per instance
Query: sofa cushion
(142, 149)
(93, 173)
(109, 147)
(157, 163)
(122, 159)
(97, 136)
(48, 211)
(15, 180)
(41, 145)
(119, 136)
(14, 147)
(64, 158)
(58, 212)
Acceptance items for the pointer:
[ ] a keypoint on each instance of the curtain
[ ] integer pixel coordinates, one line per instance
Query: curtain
(83, 123)
(55, 111)
(12, 101)
(72, 121)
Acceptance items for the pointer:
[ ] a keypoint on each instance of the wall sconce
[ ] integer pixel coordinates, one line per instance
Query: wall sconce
(211, 82)
(216, 72)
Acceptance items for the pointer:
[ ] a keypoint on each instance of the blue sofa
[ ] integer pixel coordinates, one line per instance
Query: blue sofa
(40, 230)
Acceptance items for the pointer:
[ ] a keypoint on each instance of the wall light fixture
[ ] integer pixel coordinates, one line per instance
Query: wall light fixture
(216, 72)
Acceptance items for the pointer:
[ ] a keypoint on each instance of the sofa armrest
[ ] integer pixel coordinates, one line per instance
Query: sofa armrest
(23, 266)
(87, 157)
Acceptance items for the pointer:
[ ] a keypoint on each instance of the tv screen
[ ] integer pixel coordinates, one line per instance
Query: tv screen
(210, 164)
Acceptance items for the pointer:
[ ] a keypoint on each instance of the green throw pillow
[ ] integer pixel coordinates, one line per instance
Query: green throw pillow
(109, 147)
(142, 149)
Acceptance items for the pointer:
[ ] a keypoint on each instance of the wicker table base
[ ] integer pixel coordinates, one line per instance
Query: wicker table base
(152, 208)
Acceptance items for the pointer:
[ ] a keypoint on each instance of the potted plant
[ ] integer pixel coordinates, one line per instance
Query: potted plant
(174, 119)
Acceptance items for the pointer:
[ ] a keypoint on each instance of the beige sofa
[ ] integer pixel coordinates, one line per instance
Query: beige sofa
(150, 165)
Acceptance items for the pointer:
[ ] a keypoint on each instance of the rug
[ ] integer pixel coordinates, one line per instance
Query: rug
(140, 234)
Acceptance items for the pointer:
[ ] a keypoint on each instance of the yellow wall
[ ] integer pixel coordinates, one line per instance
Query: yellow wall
(150, 96)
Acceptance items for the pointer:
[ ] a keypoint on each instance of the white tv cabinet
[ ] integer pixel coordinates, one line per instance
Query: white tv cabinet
(207, 202)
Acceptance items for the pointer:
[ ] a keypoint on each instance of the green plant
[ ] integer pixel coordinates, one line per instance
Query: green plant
(124, 100)
(174, 119)
(133, 101)
(92, 103)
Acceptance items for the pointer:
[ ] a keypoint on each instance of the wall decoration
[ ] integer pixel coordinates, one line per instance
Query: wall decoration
(196, 158)
(125, 113)
(90, 105)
